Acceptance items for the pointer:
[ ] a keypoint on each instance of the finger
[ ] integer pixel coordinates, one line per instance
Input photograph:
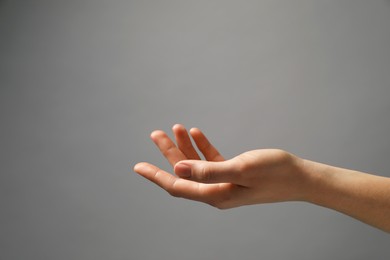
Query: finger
(184, 142)
(178, 187)
(204, 145)
(208, 172)
(167, 147)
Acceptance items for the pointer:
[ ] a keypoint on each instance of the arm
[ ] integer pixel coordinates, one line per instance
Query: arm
(265, 176)
(360, 195)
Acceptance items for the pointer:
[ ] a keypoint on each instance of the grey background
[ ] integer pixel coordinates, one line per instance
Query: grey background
(83, 83)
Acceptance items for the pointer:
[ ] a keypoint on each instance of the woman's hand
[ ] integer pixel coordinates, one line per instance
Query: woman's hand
(263, 176)
(259, 176)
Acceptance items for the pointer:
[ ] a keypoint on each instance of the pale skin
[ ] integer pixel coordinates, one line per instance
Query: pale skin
(264, 176)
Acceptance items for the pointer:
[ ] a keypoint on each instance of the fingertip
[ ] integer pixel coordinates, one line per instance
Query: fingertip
(195, 131)
(156, 133)
(139, 167)
(177, 126)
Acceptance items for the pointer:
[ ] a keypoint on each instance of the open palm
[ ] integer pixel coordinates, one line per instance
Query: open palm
(258, 176)
(212, 194)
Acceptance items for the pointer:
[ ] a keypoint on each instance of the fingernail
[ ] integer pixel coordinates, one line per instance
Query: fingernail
(183, 170)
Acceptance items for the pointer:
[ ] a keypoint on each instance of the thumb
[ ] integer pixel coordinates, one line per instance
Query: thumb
(206, 172)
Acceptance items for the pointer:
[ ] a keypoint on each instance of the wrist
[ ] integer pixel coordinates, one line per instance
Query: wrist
(312, 179)
(323, 184)
(300, 179)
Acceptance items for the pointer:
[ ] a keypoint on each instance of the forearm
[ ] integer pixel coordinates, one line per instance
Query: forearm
(362, 196)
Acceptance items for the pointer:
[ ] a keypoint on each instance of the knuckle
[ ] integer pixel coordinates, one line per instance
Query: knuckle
(221, 202)
(221, 205)
(206, 174)
(205, 146)
(173, 191)
(213, 203)
(240, 169)
(242, 165)
(168, 151)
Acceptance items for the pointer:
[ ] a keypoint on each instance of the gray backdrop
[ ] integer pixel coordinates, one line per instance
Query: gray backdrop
(84, 82)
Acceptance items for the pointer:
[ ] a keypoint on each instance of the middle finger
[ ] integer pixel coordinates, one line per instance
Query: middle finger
(184, 142)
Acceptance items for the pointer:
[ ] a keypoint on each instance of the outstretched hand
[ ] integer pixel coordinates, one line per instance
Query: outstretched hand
(264, 176)
(258, 176)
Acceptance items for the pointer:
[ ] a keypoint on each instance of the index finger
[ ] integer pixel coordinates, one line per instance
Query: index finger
(167, 147)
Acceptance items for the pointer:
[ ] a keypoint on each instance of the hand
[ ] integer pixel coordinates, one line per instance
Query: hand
(264, 176)
(259, 176)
